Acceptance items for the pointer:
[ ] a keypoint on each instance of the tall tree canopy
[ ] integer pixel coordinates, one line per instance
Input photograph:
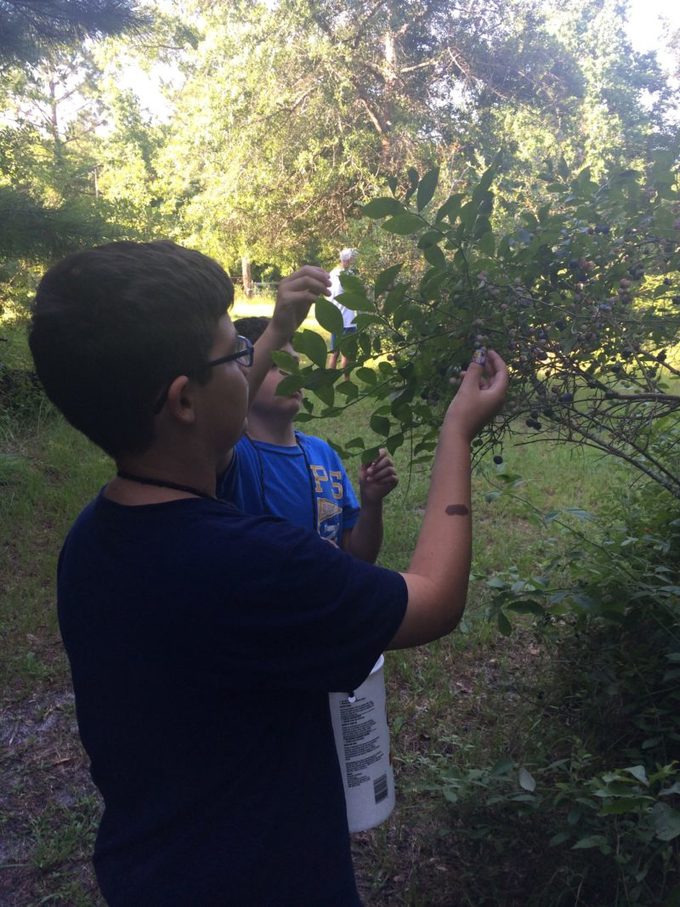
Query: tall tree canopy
(45, 194)
(29, 27)
(293, 113)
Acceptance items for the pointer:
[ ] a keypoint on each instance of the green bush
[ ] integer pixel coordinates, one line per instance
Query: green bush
(599, 789)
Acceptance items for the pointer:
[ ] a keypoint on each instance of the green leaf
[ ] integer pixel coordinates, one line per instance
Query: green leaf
(347, 389)
(450, 208)
(430, 238)
(578, 513)
(404, 224)
(364, 319)
(487, 244)
(487, 179)
(468, 213)
(285, 361)
(638, 771)
(328, 316)
(313, 346)
(385, 279)
(426, 188)
(434, 256)
(289, 385)
(394, 298)
(365, 374)
(380, 425)
(394, 442)
(666, 822)
(590, 841)
(623, 805)
(352, 284)
(369, 455)
(382, 207)
(502, 767)
(527, 606)
(504, 624)
(526, 780)
(325, 393)
(559, 838)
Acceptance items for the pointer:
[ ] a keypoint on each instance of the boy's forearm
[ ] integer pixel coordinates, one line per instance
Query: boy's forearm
(365, 538)
(440, 567)
(443, 549)
(270, 340)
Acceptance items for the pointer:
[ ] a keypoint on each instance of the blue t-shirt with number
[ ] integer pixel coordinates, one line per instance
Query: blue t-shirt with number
(203, 644)
(305, 484)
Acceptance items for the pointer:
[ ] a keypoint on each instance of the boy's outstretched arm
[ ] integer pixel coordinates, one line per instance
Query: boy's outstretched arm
(438, 574)
(294, 297)
(376, 480)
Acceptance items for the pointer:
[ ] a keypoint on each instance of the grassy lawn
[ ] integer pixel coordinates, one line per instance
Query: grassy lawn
(468, 699)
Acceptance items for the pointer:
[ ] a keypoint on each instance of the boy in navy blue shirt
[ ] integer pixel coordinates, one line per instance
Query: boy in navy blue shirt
(278, 470)
(203, 642)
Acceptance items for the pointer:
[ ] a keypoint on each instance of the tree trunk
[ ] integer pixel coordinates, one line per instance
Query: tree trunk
(246, 276)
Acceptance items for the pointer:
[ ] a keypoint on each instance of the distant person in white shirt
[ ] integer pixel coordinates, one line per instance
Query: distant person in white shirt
(347, 264)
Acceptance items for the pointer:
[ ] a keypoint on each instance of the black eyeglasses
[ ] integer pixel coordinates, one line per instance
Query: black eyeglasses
(244, 351)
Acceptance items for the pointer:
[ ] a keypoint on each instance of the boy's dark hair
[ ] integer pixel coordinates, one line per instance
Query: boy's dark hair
(112, 326)
(252, 327)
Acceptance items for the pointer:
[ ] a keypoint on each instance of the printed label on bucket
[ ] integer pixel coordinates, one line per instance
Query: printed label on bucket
(363, 745)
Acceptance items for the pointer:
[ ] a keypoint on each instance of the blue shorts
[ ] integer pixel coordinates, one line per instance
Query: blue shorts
(334, 337)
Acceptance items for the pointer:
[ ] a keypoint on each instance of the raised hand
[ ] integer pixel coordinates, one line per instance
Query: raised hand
(480, 395)
(294, 297)
(377, 479)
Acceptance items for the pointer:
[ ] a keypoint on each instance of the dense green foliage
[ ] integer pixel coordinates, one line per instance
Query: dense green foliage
(509, 171)
(581, 300)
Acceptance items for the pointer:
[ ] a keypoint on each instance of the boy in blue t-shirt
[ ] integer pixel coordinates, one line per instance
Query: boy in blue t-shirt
(277, 470)
(203, 642)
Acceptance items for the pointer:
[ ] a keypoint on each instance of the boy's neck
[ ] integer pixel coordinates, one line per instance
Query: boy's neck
(196, 476)
(271, 431)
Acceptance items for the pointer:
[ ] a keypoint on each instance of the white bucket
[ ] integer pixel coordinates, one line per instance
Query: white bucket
(362, 739)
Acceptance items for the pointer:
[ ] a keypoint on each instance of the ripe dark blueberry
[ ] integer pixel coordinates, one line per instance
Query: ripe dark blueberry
(534, 414)
(548, 412)
(560, 325)
(667, 281)
(566, 398)
(498, 460)
(675, 299)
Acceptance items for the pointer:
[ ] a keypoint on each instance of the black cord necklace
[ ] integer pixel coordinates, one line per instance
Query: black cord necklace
(163, 483)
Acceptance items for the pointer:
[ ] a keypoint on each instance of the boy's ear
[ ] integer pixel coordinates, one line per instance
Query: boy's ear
(180, 402)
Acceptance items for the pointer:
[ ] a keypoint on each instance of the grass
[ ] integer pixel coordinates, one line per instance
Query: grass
(465, 700)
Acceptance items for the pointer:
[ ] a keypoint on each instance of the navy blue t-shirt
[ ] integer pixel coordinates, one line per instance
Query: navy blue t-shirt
(203, 644)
